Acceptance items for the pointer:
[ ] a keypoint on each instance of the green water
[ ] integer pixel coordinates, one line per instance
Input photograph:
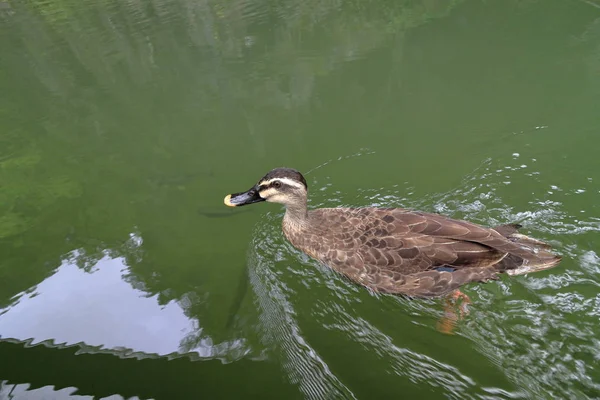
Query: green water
(123, 124)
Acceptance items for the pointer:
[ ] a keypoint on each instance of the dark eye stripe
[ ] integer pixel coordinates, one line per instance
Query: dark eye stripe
(271, 185)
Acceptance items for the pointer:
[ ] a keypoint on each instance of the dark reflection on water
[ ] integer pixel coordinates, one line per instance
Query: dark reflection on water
(536, 332)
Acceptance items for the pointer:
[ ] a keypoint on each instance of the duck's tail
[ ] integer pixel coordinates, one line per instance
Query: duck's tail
(542, 258)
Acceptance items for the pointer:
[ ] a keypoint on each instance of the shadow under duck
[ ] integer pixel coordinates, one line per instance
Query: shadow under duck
(396, 250)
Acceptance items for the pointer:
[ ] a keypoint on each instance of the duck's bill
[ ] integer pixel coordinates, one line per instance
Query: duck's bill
(242, 199)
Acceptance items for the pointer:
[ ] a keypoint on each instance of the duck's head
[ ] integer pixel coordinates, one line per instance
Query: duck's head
(281, 185)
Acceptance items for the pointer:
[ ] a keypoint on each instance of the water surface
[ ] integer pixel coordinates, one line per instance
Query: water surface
(123, 124)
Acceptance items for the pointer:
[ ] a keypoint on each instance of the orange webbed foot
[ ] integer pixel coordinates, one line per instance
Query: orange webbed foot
(455, 309)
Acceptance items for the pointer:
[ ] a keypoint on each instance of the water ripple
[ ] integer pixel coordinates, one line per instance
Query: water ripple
(281, 330)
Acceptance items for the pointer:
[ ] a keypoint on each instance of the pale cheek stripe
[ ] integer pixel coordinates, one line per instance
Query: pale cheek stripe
(267, 193)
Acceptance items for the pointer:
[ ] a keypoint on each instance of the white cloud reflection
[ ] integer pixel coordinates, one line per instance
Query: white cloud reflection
(98, 308)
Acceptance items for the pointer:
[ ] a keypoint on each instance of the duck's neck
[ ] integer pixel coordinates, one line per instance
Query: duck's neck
(296, 215)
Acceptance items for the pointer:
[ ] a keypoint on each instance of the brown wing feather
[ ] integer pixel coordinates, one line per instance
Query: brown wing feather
(410, 242)
(465, 232)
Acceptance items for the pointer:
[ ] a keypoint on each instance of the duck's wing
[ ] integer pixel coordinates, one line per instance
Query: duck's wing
(420, 269)
(469, 238)
(404, 241)
(419, 254)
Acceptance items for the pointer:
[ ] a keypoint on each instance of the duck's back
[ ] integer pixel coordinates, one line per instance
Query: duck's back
(375, 246)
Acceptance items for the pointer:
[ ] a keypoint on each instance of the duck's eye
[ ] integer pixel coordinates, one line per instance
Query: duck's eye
(276, 184)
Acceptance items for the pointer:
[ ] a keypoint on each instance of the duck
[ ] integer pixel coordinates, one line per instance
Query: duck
(397, 250)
